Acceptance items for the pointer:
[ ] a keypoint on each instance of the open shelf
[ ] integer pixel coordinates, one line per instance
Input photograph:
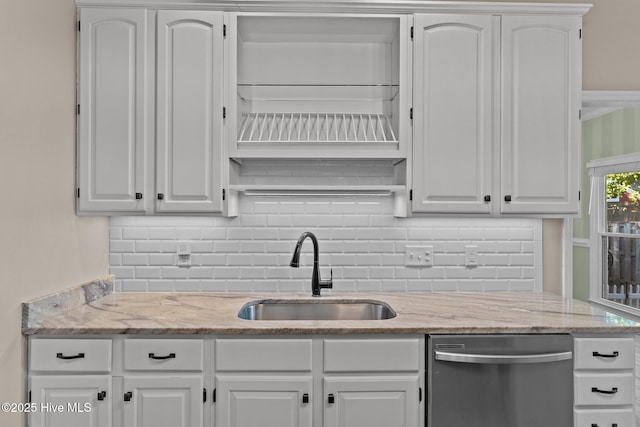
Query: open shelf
(275, 189)
(328, 86)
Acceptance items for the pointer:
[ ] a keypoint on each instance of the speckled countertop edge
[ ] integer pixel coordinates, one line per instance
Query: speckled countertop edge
(36, 310)
(417, 313)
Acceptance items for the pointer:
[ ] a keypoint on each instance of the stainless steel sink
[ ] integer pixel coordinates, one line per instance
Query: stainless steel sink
(316, 309)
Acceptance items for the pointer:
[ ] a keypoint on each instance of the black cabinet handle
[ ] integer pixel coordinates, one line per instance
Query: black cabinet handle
(127, 396)
(102, 395)
(331, 399)
(160, 196)
(487, 198)
(305, 398)
(138, 196)
(169, 356)
(606, 356)
(614, 390)
(77, 356)
(612, 425)
(507, 198)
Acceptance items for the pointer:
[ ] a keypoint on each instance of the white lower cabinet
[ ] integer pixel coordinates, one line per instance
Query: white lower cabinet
(162, 382)
(283, 381)
(604, 381)
(70, 400)
(372, 401)
(163, 401)
(70, 383)
(264, 400)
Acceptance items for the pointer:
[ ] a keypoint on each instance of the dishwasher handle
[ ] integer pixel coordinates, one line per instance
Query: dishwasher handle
(503, 359)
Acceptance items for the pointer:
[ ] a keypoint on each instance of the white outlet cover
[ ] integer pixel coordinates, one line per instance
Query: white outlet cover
(471, 255)
(183, 254)
(418, 256)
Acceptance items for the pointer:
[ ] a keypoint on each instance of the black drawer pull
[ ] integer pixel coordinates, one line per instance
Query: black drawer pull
(77, 356)
(169, 356)
(127, 396)
(507, 198)
(607, 356)
(331, 399)
(612, 425)
(614, 390)
(102, 395)
(487, 198)
(305, 398)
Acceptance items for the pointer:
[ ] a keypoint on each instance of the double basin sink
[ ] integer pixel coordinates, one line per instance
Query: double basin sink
(316, 309)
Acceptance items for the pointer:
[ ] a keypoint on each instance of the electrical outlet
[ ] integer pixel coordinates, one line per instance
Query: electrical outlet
(470, 255)
(183, 255)
(418, 256)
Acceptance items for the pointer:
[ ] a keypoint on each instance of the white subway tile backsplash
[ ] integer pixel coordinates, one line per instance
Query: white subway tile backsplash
(148, 246)
(135, 285)
(134, 233)
(162, 233)
(161, 286)
(122, 246)
(358, 238)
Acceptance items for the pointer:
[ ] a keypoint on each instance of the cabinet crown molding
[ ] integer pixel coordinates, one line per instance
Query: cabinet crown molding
(360, 6)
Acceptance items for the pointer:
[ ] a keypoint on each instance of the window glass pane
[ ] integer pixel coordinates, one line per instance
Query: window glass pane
(621, 272)
(623, 202)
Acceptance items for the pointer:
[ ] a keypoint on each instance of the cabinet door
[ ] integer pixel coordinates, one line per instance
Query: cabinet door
(541, 96)
(163, 401)
(379, 401)
(189, 101)
(112, 137)
(452, 120)
(282, 401)
(71, 400)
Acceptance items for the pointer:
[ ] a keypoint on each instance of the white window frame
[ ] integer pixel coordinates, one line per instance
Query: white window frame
(598, 171)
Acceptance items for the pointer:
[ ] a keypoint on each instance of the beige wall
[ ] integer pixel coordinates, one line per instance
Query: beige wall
(44, 246)
(610, 38)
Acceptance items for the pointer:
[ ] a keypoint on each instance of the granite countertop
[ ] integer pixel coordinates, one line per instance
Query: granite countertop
(105, 312)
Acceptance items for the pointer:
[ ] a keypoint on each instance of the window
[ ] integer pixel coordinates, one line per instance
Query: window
(615, 231)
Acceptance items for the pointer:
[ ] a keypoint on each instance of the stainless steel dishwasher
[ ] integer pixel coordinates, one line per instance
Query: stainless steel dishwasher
(500, 380)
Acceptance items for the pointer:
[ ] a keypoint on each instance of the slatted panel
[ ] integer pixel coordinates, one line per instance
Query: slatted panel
(314, 127)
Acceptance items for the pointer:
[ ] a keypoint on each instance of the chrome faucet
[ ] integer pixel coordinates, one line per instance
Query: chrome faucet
(316, 282)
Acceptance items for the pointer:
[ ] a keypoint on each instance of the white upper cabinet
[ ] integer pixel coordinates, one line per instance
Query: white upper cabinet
(449, 108)
(452, 117)
(189, 111)
(112, 110)
(496, 114)
(541, 101)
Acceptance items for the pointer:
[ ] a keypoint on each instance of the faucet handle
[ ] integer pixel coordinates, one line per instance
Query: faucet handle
(327, 284)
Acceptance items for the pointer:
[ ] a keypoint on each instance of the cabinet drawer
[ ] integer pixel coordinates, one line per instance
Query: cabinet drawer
(163, 355)
(70, 355)
(604, 353)
(370, 355)
(263, 355)
(604, 389)
(604, 418)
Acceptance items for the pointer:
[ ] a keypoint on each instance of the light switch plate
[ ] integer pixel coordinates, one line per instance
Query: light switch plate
(418, 256)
